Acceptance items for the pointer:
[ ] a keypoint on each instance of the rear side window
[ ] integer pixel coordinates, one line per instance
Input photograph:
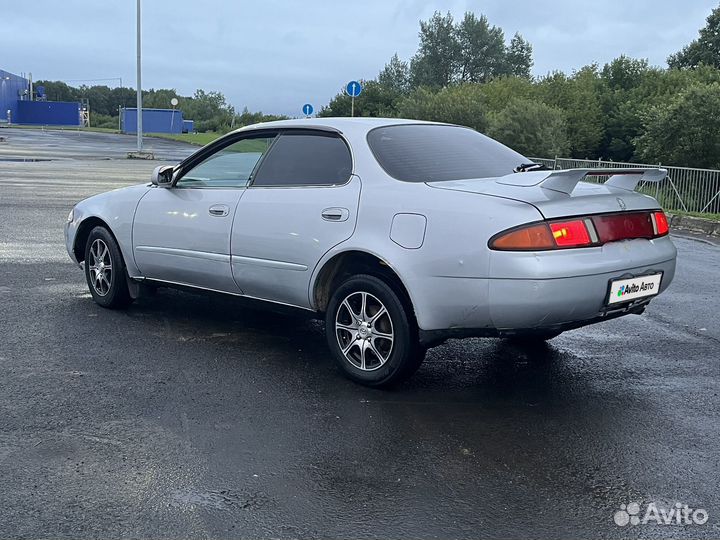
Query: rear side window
(309, 159)
(431, 153)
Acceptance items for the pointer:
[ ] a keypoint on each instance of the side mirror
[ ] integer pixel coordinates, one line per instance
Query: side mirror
(162, 176)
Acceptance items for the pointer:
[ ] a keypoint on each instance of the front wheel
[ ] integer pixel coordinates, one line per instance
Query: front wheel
(371, 333)
(105, 270)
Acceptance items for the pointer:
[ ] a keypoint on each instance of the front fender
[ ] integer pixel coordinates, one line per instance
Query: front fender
(116, 210)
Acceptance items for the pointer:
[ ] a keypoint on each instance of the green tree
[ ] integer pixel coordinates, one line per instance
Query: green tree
(103, 121)
(480, 49)
(246, 118)
(579, 97)
(376, 100)
(530, 127)
(704, 50)
(686, 132)
(160, 98)
(395, 76)
(209, 110)
(501, 90)
(624, 73)
(622, 104)
(459, 104)
(435, 62)
(59, 91)
(122, 97)
(518, 57)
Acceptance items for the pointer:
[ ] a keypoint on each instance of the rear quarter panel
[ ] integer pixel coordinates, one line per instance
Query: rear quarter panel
(454, 250)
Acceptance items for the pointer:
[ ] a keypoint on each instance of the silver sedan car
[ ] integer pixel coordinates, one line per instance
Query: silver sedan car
(400, 234)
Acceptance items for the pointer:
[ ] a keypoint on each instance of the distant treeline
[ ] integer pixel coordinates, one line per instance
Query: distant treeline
(209, 110)
(465, 73)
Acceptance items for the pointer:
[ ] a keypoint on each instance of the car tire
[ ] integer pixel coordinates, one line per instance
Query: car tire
(105, 270)
(375, 345)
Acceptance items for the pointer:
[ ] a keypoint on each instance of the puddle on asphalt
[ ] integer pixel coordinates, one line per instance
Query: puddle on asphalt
(224, 499)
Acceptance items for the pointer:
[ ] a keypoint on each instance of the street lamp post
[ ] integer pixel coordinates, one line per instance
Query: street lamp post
(139, 86)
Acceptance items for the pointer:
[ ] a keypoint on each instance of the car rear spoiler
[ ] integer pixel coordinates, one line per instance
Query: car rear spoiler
(565, 180)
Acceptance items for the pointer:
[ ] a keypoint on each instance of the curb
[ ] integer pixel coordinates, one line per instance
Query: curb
(695, 225)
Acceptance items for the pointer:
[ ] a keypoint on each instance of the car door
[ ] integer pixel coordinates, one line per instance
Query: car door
(181, 234)
(302, 201)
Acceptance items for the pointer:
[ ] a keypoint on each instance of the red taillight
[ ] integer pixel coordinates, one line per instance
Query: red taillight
(625, 226)
(570, 233)
(582, 232)
(661, 223)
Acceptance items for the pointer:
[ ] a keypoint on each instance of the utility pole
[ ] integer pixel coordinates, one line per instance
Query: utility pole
(139, 86)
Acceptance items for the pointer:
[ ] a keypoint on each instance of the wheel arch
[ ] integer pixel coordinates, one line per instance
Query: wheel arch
(350, 262)
(83, 232)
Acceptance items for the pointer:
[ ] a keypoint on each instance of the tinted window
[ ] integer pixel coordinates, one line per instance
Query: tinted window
(305, 159)
(428, 153)
(228, 167)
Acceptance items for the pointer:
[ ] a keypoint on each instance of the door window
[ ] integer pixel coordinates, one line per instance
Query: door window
(230, 167)
(305, 159)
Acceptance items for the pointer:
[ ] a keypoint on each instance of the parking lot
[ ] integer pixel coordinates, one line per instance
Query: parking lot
(203, 416)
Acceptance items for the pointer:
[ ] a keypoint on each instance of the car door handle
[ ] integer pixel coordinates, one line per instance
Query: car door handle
(219, 210)
(335, 214)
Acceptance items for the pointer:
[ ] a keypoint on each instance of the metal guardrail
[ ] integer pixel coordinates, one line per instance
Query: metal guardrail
(684, 189)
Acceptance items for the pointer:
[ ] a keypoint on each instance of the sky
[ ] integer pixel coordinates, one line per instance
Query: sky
(275, 55)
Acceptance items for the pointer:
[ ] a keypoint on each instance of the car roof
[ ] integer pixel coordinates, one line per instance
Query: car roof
(359, 125)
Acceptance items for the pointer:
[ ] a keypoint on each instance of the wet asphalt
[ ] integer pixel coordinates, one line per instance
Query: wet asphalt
(201, 416)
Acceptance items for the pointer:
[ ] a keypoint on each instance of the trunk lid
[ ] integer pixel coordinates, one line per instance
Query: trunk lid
(563, 193)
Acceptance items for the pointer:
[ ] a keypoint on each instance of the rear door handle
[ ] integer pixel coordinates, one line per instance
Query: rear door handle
(335, 214)
(219, 210)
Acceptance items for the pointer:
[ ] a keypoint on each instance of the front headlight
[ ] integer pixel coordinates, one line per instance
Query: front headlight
(71, 216)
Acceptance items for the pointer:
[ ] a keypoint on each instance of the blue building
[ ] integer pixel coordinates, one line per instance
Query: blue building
(48, 113)
(13, 89)
(18, 107)
(153, 120)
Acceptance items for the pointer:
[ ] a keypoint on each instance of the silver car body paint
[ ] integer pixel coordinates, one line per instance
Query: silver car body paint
(274, 242)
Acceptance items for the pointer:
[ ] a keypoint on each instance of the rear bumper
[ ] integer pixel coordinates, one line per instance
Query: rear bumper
(536, 292)
(543, 303)
(430, 338)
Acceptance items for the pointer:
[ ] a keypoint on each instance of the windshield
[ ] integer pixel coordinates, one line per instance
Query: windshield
(431, 153)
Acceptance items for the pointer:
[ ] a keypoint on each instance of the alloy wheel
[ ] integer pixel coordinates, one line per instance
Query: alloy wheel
(100, 267)
(364, 331)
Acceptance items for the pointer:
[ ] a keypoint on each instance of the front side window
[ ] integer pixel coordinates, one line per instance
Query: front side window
(431, 153)
(230, 167)
(305, 159)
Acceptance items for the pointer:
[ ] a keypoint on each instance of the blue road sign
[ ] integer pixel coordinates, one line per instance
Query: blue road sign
(307, 109)
(353, 89)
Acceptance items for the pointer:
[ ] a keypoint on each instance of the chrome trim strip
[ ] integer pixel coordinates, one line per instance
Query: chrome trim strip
(219, 257)
(268, 263)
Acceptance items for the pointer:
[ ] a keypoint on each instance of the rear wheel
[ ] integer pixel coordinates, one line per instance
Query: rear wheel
(372, 335)
(105, 270)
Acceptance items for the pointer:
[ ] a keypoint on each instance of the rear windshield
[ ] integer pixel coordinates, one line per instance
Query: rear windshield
(431, 153)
